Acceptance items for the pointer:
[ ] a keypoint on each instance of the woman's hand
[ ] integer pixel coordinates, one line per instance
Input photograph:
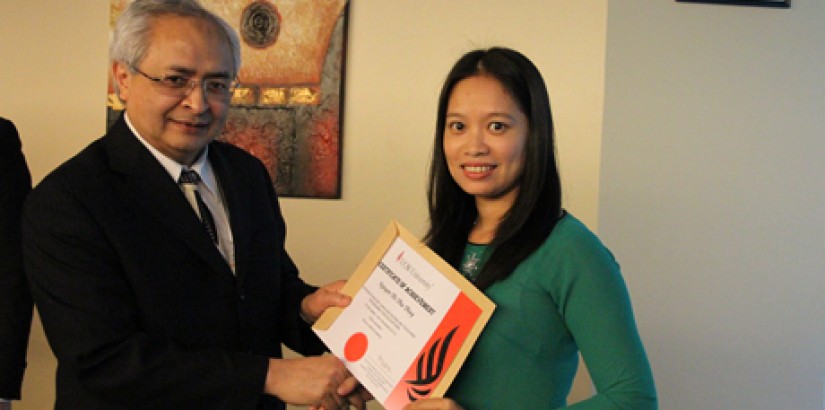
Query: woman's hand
(434, 404)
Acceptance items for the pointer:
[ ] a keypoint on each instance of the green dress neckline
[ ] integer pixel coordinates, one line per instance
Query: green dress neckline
(475, 256)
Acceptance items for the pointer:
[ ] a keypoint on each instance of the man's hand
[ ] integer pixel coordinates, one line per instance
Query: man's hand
(325, 297)
(314, 381)
(353, 393)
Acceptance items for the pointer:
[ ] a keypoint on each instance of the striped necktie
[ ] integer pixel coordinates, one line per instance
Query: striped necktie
(189, 180)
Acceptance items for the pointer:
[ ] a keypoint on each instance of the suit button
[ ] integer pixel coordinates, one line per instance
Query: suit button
(242, 297)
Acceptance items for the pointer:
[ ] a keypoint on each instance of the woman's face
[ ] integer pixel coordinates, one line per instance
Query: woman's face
(484, 138)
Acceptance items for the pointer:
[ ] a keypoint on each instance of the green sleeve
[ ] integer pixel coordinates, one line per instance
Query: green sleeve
(594, 303)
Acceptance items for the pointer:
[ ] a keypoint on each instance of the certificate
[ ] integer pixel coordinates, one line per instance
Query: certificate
(411, 323)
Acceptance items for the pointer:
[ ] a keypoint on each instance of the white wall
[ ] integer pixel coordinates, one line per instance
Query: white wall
(712, 196)
(52, 85)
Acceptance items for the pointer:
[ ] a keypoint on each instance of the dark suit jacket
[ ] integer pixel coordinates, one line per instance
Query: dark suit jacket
(15, 299)
(137, 303)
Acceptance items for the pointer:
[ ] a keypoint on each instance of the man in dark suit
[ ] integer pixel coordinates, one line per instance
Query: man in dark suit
(15, 299)
(156, 255)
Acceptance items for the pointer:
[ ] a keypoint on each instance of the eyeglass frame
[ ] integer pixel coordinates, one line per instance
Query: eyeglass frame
(168, 83)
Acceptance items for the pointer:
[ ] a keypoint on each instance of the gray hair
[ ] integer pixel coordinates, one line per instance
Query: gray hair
(130, 38)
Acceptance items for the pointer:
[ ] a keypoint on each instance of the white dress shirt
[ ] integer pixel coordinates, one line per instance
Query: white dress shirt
(209, 189)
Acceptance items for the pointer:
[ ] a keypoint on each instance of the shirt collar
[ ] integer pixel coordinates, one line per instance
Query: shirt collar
(174, 168)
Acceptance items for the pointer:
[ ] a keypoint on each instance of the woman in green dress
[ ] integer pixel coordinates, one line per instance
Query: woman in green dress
(496, 216)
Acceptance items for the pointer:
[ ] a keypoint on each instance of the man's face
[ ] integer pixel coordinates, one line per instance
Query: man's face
(178, 126)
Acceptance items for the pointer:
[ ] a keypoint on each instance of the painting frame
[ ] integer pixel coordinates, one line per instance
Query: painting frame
(785, 4)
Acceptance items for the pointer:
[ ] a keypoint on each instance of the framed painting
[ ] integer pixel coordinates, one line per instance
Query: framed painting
(288, 106)
(761, 3)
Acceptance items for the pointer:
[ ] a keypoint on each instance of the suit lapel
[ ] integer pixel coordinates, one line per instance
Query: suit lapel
(145, 180)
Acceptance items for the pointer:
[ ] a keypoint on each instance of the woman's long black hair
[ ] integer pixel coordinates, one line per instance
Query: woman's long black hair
(537, 206)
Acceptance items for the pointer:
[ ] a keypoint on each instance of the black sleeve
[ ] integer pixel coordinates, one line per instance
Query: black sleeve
(15, 299)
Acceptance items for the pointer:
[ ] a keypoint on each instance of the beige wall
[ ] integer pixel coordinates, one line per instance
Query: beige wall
(52, 85)
(712, 197)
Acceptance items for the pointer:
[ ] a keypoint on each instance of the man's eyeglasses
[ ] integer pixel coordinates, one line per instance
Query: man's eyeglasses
(216, 89)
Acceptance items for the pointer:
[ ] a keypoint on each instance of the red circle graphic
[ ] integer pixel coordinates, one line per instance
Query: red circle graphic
(355, 347)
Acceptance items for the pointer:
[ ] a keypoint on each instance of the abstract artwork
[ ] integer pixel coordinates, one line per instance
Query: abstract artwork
(287, 109)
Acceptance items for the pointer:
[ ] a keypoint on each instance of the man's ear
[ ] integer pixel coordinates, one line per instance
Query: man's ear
(122, 78)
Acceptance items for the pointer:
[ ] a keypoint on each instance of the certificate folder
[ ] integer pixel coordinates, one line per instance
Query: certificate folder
(412, 321)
